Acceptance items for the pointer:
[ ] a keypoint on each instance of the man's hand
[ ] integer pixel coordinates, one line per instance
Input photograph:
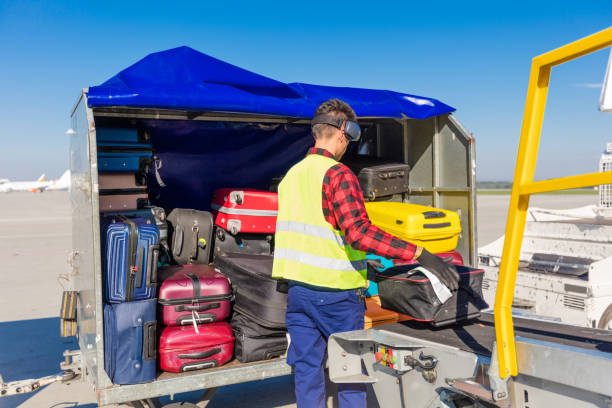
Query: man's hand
(373, 268)
(445, 271)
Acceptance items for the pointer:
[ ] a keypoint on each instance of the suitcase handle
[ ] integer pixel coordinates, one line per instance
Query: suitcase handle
(433, 214)
(203, 354)
(275, 353)
(152, 258)
(149, 341)
(391, 174)
(187, 320)
(438, 225)
(199, 366)
(177, 245)
(197, 308)
(194, 250)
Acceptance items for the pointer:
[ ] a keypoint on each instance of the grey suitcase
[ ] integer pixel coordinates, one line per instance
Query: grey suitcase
(190, 235)
(378, 177)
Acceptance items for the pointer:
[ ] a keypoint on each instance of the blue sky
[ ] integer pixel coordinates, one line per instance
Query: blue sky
(474, 56)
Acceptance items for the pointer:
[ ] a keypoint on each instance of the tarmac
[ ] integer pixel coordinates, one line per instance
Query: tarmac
(35, 240)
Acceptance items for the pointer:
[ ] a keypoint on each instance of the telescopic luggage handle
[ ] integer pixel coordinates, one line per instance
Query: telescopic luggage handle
(149, 341)
(152, 258)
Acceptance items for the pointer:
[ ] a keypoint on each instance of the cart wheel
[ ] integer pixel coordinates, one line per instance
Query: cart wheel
(606, 319)
(146, 403)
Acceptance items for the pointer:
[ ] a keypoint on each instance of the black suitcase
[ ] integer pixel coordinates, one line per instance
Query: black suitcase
(190, 233)
(257, 295)
(256, 244)
(378, 177)
(411, 293)
(255, 342)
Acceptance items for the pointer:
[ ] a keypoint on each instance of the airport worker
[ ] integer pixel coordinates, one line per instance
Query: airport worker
(322, 235)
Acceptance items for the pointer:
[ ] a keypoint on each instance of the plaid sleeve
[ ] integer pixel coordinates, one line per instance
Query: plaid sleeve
(343, 207)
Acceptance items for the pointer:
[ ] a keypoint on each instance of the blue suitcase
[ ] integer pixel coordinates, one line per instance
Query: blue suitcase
(130, 341)
(122, 135)
(131, 255)
(127, 158)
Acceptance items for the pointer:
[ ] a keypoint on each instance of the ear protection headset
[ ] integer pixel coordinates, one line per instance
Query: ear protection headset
(350, 128)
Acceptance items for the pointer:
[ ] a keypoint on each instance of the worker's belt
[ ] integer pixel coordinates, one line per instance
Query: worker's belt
(358, 291)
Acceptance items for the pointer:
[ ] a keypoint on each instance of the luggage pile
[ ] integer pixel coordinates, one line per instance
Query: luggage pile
(194, 301)
(245, 222)
(207, 276)
(403, 288)
(158, 268)
(130, 261)
(124, 159)
(132, 232)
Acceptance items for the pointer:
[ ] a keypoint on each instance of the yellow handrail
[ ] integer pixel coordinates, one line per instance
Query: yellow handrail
(524, 185)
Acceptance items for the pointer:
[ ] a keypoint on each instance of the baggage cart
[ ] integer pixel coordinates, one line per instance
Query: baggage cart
(443, 191)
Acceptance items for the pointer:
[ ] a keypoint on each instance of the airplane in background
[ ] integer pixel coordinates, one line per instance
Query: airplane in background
(63, 183)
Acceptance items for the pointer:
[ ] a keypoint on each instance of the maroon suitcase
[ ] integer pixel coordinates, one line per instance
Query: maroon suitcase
(193, 293)
(184, 349)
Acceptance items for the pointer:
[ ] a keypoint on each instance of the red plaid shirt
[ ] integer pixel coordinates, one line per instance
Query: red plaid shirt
(344, 209)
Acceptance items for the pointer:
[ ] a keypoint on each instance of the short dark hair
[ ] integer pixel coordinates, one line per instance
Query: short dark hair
(335, 107)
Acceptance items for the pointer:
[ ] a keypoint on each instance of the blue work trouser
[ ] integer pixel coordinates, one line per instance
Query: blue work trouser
(312, 316)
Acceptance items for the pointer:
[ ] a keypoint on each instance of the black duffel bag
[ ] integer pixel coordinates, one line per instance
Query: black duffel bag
(410, 292)
(255, 342)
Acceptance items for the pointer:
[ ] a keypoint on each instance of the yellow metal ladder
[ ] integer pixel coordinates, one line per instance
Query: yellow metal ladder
(524, 185)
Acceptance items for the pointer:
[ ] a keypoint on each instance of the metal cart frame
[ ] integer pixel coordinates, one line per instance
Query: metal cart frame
(446, 158)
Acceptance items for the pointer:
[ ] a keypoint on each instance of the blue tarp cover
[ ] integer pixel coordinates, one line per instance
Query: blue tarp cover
(183, 78)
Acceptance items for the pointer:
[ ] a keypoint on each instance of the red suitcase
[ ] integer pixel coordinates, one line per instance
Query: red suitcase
(252, 211)
(184, 349)
(193, 293)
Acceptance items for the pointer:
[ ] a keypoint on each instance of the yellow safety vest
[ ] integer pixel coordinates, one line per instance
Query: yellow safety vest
(306, 247)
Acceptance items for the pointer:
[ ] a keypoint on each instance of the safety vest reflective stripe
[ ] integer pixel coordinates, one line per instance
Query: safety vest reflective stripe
(320, 261)
(312, 230)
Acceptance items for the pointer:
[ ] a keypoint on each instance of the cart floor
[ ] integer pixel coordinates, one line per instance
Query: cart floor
(478, 335)
(176, 383)
(234, 363)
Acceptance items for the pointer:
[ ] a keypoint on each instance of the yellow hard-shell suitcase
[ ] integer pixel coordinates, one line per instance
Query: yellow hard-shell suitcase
(434, 229)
